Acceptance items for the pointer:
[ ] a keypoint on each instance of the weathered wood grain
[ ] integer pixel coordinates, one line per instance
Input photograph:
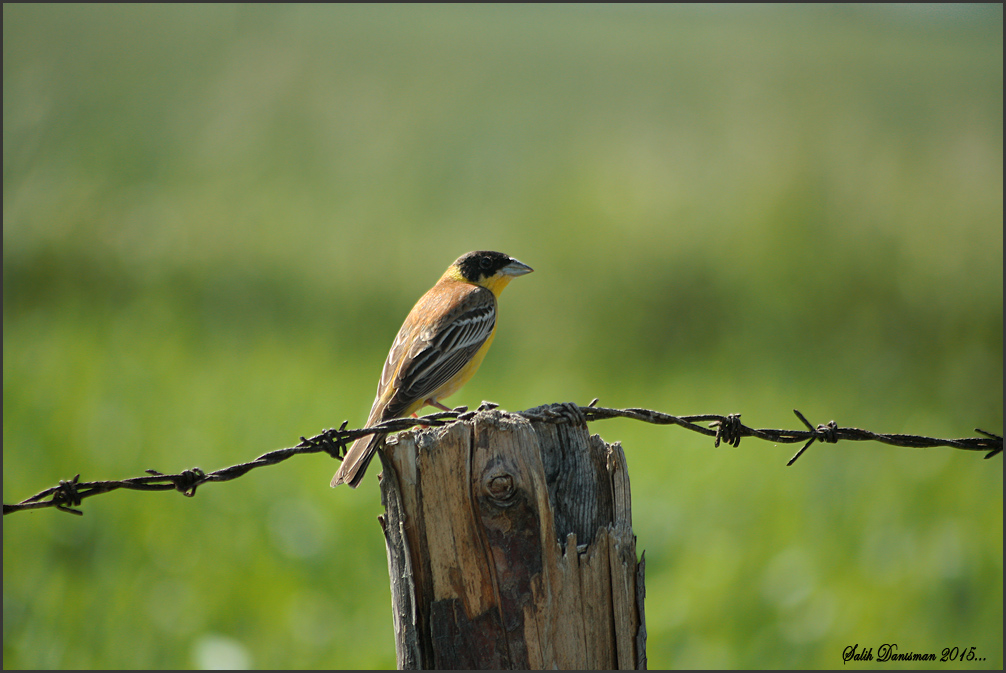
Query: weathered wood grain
(510, 545)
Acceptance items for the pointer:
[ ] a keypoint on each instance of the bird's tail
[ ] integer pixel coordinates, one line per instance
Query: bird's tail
(354, 465)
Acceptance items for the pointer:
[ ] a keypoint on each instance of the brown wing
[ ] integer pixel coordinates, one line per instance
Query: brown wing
(442, 351)
(441, 334)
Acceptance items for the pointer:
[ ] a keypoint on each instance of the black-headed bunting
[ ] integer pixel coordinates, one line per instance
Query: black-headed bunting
(439, 347)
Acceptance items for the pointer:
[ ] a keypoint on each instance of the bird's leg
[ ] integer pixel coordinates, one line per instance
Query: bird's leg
(433, 403)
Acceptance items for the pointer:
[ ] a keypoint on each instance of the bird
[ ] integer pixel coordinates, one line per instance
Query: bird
(439, 347)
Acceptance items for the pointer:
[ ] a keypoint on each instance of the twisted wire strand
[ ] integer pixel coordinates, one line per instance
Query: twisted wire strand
(67, 495)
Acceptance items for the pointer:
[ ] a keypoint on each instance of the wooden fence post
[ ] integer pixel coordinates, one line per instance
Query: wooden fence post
(510, 545)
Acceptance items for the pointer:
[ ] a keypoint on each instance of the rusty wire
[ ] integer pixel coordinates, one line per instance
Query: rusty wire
(67, 495)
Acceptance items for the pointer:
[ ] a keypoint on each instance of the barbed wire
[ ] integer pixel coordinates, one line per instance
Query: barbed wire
(68, 495)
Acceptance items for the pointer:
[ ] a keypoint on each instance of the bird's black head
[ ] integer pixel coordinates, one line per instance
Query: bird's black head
(482, 264)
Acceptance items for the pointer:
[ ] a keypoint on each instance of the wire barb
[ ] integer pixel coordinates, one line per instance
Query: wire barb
(822, 433)
(993, 452)
(67, 495)
(729, 430)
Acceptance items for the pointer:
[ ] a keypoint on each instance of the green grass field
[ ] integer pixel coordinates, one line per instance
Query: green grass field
(216, 217)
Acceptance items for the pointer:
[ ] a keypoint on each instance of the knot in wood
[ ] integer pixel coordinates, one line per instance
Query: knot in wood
(500, 487)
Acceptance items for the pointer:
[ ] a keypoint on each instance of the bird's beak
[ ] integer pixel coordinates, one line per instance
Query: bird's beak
(515, 268)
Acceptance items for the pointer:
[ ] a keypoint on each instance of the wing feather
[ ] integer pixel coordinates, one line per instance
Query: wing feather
(438, 354)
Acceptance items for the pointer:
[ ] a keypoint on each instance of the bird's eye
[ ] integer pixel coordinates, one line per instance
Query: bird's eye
(485, 263)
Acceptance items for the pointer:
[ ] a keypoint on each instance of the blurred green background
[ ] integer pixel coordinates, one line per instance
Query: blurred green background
(216, 217)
